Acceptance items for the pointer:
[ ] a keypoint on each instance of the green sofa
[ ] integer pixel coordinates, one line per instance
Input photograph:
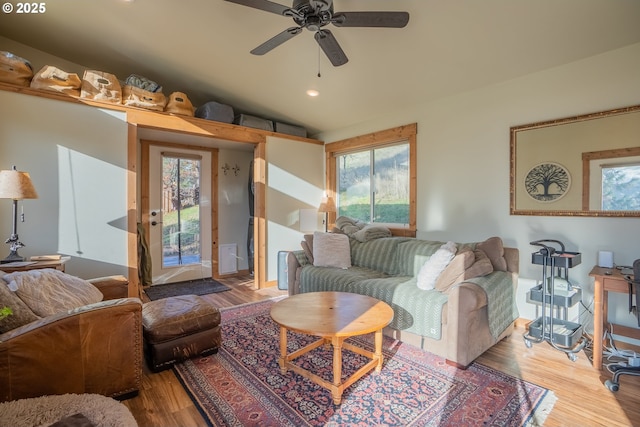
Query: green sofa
(458, 320)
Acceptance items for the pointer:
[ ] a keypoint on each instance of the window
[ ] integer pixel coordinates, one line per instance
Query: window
(621, 187)
(373, 178)
(373, 185)
(611, 180)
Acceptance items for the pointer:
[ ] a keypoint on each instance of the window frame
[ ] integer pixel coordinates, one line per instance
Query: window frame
(401, 134)
(602, 156)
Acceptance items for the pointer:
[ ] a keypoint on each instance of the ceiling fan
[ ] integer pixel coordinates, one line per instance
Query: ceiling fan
(314, 15)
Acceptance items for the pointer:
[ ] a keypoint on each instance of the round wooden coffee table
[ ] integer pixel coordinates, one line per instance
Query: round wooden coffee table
(334, 317)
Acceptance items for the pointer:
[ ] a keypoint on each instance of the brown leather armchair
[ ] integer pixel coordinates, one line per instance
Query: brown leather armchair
(96, 348)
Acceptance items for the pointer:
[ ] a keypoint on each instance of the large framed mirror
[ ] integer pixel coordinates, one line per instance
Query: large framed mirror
(586, 165)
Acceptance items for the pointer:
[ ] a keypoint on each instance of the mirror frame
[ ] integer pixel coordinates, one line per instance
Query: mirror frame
(514, 132)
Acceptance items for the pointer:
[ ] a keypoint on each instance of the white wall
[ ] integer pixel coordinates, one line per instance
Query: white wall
(77, 158)
(295, 180)
(463, 164)
(233, 202)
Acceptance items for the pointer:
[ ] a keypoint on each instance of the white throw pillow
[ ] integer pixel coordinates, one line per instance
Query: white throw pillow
(48, 291)
(331, 250)
(431, 270)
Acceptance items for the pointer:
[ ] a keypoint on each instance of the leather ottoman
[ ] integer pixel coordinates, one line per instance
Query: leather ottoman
(177, 328)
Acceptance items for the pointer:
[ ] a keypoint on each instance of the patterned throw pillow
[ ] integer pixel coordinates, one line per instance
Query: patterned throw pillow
(48, 291)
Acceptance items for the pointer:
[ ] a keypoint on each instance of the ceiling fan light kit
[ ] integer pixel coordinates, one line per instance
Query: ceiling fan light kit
(314, 15)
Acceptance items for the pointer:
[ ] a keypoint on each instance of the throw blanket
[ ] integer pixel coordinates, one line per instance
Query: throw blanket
(349, 225)
(371, 232)
(360, 231)
(501, 305)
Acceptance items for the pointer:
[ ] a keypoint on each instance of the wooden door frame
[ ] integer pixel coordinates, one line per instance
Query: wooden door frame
(137, 118)
(260, 226)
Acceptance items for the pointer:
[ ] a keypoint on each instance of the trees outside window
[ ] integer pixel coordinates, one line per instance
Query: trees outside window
(181, 207)
(621, 188)
(373, 185)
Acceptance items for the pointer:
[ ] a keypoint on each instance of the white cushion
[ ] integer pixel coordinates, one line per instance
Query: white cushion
(48, 291)
(435, 265)
(331, 250)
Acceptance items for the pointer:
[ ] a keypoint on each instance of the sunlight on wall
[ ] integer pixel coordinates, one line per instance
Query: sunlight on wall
(436, 216)
(293, 186)
(295, 181)
(286, 236)
(91, 207)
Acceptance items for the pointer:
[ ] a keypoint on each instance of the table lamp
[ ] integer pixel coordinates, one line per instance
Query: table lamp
(15, 185)
(327, 205)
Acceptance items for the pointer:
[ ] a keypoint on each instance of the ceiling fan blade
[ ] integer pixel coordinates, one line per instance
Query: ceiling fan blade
(371, 19)
(331, 48)
(265, 5)
(277, 40)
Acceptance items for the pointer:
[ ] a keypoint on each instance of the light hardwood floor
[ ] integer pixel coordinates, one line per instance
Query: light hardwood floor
(583, 400)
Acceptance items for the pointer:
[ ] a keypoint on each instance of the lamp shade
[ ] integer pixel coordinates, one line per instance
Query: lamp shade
(16, 185)
(327, 205)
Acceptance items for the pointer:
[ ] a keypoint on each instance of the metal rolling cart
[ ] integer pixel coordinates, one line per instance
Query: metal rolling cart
(556, 294)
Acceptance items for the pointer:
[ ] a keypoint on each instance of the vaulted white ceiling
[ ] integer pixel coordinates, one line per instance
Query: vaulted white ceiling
(201, 47)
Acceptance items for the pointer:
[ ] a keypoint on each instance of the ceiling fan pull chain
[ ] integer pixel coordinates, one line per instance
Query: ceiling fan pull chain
(319, 75)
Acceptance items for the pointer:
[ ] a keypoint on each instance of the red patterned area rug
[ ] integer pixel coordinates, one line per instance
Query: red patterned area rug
(242, 385)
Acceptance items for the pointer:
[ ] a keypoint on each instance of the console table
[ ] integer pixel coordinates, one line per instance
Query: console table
(58, 264)
(607, 280)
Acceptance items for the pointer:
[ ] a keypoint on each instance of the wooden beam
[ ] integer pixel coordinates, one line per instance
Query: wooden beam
(260, 215)
(132, 212)
(388, 136)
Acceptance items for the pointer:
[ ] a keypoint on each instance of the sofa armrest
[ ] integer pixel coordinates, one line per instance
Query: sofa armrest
(480, 312)
(112, 287)
(468, 296)
(96, 348)
(464, 306)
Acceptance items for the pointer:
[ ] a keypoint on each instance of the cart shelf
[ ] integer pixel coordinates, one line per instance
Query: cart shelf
(558, 259)
(560, 333)
(560, 298)
(565, 333)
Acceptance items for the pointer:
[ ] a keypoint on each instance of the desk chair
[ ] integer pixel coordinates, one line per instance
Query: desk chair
(623, 369)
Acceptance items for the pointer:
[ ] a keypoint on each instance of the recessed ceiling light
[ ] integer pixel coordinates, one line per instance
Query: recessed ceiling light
(313, 92)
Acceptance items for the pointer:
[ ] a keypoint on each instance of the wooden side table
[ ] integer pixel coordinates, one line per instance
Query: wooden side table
(603, 284)
(58, 264)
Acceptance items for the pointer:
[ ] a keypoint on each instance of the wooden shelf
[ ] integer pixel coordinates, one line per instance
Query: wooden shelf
(167, 121)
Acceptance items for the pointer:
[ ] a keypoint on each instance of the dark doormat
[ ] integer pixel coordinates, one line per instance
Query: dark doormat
(189, 287)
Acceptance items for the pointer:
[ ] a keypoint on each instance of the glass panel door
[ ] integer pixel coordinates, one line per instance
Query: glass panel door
(181, 210)
(180, 197)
